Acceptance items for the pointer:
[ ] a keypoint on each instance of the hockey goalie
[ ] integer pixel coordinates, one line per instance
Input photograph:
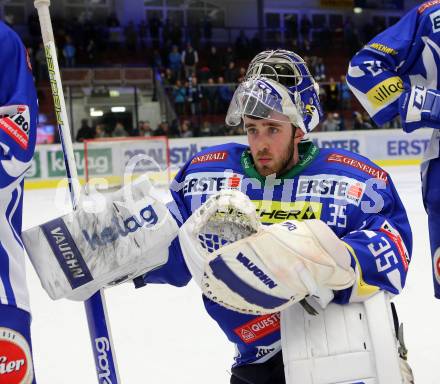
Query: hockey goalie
(297, 250)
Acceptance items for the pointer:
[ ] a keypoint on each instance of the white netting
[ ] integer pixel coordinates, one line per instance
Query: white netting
(225, 224)
(118, 160)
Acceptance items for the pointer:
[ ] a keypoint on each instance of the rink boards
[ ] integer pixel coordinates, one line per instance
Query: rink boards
(385, 147)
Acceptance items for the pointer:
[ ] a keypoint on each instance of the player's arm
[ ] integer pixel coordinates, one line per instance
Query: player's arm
(174, 271)
(18, 108)
(381, 246)
(120, 236)
(373, 73)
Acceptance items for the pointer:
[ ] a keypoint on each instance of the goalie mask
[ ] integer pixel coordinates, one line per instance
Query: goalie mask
(277, 81)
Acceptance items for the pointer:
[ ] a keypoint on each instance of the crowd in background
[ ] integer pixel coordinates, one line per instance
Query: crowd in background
(198, 74)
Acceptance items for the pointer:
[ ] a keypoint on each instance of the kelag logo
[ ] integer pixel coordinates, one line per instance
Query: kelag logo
(109, 234)
(99, 162)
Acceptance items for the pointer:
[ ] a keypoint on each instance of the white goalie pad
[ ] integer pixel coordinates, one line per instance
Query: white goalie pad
(343, 344)
(79, 253)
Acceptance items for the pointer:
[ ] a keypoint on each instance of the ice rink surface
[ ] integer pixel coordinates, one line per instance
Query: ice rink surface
(162, 334)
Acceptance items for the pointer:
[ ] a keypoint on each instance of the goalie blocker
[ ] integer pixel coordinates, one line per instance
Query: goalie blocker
(79, 253)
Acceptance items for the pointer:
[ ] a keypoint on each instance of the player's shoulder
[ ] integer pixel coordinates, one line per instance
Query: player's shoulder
(427, 8)
(8, 37)
(222, 155)
(343, 162)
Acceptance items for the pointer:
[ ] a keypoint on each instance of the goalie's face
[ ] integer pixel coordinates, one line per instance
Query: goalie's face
(273, 144)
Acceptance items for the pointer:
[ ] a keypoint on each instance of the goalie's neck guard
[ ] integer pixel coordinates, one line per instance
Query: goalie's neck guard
(307, 153)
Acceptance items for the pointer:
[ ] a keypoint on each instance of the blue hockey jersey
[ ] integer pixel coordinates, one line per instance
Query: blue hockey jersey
(404, 55)
(352, 195)
(18, 124)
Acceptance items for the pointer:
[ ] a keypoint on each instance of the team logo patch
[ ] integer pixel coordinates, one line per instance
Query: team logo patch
(210, 157)
(436, 261)
(15, 358)
(210, 182)
(258, 328)
(271, 212)
(385, 92)
(427, 5)
(395, 237)
(15, 121)
(372, 171)
(327, 186)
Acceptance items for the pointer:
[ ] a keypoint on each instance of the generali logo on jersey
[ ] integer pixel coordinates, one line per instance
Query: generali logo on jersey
(427, 5)
(15, 358)
(258, 328)
(210, 156)
(373, 171)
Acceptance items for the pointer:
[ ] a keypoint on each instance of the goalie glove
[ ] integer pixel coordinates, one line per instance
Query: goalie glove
(79, 253)
(276, 267)
(419, 107)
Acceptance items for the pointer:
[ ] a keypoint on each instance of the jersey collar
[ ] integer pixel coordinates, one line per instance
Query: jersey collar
(307, 153)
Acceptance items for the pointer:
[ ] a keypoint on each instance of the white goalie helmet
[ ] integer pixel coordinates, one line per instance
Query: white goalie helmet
(277, 81)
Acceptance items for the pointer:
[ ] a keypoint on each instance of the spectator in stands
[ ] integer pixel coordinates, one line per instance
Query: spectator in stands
(91, 51)
(119, 130)
(157, 59)
(168, 77)
(224, 95)
(368, 122)
(241, 74)
(100, 131)
(179, 98)
(231, 73)
(214, 61)
(205, 129)
(211, 96)
(344, 94)
(85, 132)
(319, 68)
(69, 52)
(145, 129)
(175, 61)
(331, 123)
(190, 59)
(163, 129)
(357, 121)
(185, 129)
(194, 96)
(332, 92)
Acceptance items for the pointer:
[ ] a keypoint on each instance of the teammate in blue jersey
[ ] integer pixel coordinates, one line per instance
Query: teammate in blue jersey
(18, 121)
(289, 178)
(398, 74)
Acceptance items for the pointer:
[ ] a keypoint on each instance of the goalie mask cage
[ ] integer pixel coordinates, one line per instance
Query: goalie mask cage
(109, 160)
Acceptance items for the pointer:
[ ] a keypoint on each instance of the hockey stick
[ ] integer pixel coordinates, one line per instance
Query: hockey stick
(102, 345)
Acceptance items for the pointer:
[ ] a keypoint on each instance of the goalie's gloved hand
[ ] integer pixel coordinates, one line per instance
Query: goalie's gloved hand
(278, 266)
(419, 107)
